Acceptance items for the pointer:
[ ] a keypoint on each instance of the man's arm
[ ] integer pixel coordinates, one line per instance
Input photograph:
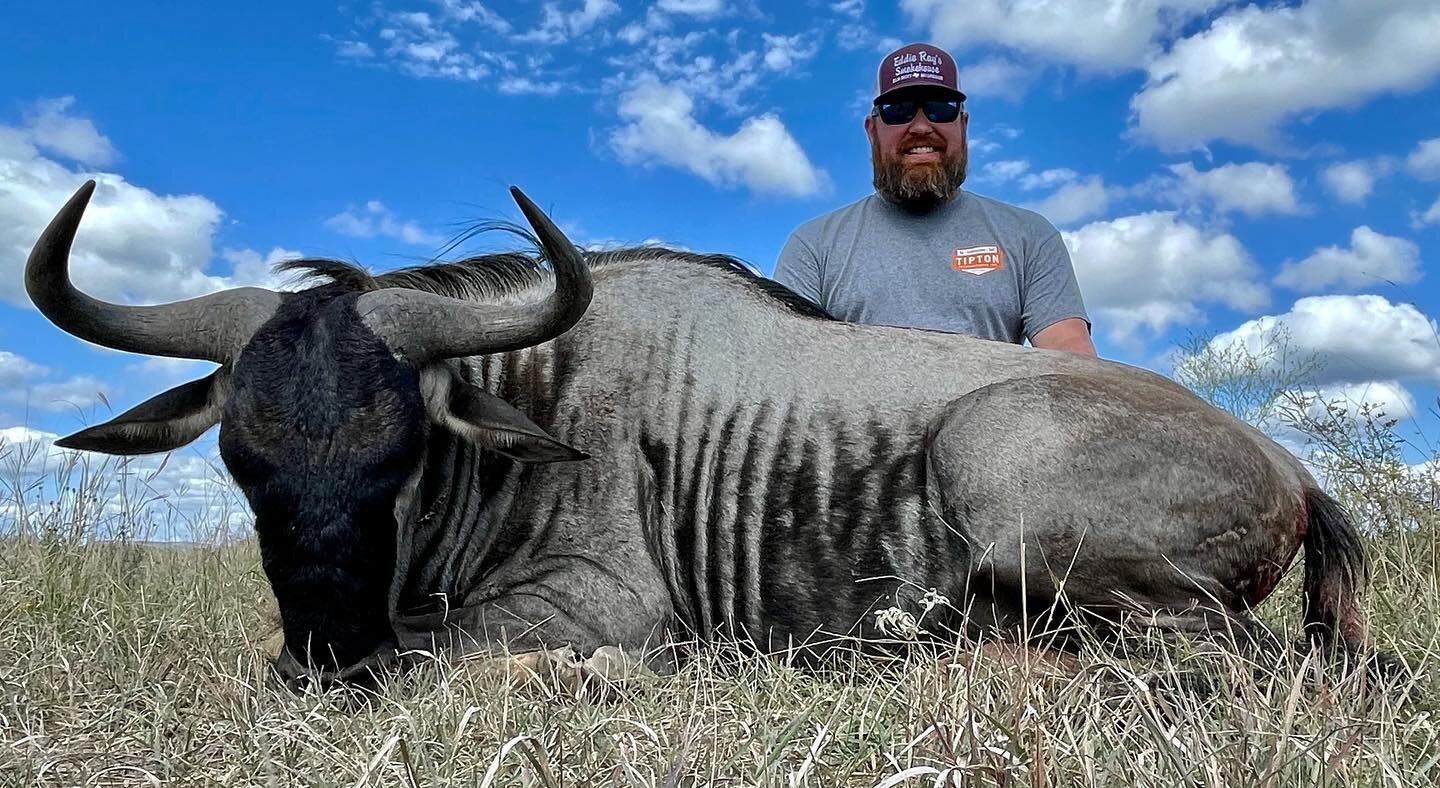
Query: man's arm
(1071, 334)
(1053, 312)
(798, 268)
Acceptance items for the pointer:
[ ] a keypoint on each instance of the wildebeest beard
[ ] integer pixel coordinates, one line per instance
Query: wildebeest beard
(919, 188)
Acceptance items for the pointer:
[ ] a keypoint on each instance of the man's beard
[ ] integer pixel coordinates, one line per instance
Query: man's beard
(919, 188)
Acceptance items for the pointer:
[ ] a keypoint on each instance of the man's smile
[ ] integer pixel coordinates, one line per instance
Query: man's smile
(917, 154)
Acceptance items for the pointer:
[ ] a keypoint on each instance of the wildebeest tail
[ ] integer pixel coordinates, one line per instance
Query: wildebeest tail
(1335, 569)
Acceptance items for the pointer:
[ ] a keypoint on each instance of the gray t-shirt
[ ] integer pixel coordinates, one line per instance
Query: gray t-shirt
(974, 266)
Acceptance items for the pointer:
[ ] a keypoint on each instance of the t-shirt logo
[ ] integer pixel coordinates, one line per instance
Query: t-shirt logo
(978, 260)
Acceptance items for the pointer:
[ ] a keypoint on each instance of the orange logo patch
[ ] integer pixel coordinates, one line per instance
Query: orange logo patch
(978, 260)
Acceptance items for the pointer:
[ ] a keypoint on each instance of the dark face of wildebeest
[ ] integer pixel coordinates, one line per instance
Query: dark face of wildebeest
(321, 429)
(324, 399)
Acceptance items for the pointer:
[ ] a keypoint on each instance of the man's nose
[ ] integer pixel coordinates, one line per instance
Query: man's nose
(920, 124)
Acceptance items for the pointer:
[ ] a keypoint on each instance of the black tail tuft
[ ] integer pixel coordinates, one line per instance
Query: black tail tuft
(1335, 569)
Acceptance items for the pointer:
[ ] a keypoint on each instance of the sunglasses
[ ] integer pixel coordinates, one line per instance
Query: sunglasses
(895, 113)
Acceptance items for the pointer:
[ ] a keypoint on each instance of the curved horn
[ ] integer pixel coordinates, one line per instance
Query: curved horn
(212, 327)
(425, 327)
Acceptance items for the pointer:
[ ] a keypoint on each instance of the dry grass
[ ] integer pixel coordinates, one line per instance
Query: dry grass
(126, 664)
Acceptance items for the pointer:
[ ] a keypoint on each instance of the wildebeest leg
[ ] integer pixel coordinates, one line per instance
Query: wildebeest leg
(563, 665)
(1093, 505)
(524, 621)
(525, 627)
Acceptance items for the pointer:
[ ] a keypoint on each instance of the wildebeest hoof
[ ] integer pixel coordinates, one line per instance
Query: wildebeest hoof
(612, 664)
(525, 667)
(272, 645)
(562, 668)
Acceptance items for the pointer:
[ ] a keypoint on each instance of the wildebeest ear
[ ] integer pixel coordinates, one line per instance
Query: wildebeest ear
(489, 421)
(164, 422)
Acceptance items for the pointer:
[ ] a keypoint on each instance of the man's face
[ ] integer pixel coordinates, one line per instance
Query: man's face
(918, 165)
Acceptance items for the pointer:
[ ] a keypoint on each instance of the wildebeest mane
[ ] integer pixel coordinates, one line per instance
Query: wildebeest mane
(501, 274)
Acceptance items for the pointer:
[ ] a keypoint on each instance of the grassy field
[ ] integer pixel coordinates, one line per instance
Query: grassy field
(126, 664)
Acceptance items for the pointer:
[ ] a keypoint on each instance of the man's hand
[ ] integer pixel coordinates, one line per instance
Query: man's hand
(1071, 334)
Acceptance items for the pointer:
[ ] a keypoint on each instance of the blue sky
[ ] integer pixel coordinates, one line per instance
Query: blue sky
(1216, 167)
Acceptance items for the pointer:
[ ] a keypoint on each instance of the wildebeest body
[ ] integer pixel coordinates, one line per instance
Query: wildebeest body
(775, 476)
(657, 445)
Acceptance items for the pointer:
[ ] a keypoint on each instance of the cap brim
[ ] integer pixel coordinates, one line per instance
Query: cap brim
(941, 88)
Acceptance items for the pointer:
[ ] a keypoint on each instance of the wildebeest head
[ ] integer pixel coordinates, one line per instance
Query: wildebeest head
(324, 398)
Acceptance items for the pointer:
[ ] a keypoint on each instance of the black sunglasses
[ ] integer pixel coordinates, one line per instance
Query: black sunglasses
(895, 113)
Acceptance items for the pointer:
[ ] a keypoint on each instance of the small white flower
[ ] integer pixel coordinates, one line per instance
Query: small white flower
(897, 623)
(933, 599)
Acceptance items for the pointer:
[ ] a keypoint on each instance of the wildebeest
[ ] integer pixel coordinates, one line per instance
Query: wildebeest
(629, 444)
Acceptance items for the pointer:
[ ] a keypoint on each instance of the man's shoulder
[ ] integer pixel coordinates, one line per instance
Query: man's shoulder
(826, 224)
(1002, 213)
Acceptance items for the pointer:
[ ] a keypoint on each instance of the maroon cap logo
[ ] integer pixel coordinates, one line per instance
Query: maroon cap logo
(917, 65)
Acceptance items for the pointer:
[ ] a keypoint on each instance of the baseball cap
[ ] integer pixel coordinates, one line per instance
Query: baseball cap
(917, 65)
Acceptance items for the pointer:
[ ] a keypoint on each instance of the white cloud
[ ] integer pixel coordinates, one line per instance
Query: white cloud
(51, 126)
(80, 393)
(1393, 399)
(15, 143)
(1255, 67)
(1047, 178)
(134, 246)
(33, 386)
(660, 128)
(851, 8)
(1253, 188)
(632, 33)
(1153, 270)
(1431, 215)
(1424, 161)
(516, 86)
(672, 59)
(786, 52)
(1073, 202)
(354, 50)
(250, 268)
(997, 77)
(698, 8)
(160, 372)
(855, 37)
(18, 371)
(1018, 170)
(418, 46)
(24, 435)
(469, 11)
(1004, 170)
(557, 26)
(374, 219)
(424, 45)
(1074, 199)
(1371, 259)
(1353, 181)
(1105, 35)
(1341, 404)
(1356, 338)
(981, 145)
(986, 144)
(665, 87)
(655, 22)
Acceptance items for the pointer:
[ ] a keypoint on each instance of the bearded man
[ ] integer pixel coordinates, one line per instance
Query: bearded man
(920, 252)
